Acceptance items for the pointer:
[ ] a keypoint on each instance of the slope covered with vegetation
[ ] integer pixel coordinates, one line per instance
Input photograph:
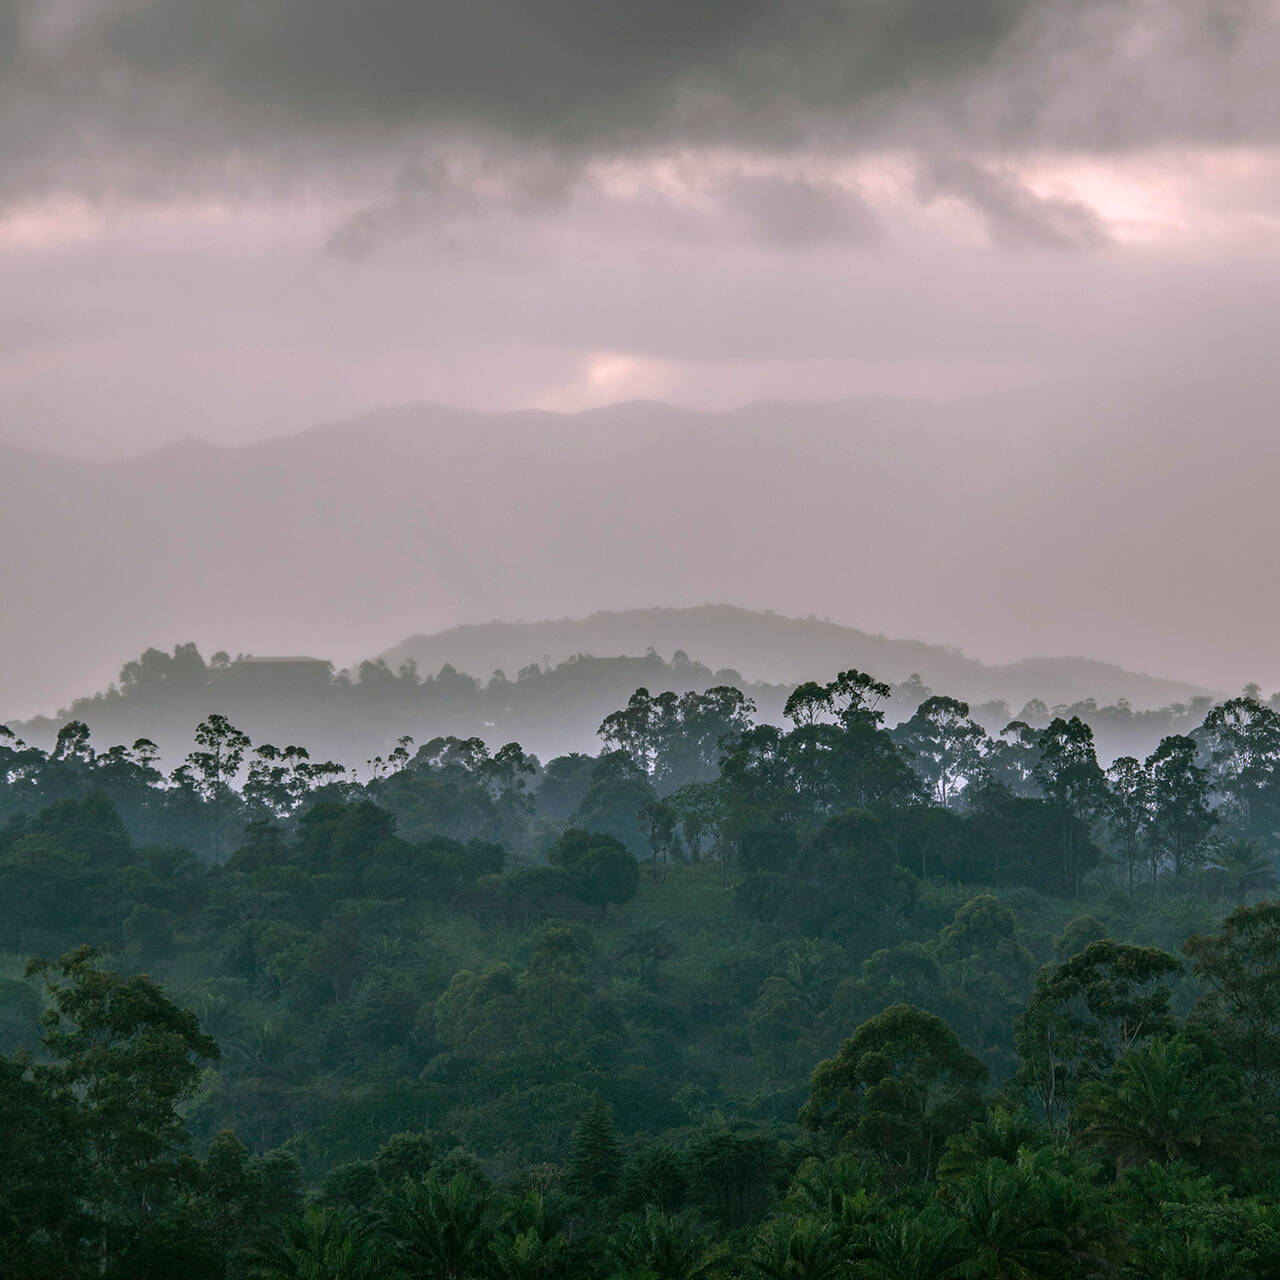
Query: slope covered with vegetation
(727, 998)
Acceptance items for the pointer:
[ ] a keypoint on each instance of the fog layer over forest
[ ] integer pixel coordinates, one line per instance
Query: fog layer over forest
(553, 707)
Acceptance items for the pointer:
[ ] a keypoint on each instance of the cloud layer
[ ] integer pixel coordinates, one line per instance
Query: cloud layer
(104, 96)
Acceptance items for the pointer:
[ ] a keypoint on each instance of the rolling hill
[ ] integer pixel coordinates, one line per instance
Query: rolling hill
(771, 648)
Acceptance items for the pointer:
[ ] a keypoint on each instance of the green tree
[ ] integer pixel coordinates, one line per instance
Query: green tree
(665, 1246)
(438, 1227)
(1181, 818)
(806, 1248)
(210, 771)
(701, 813)
(600, 868)
(1239, 867)
(661, 825)
(1028, 1218)
(1074, 785)
(44, 1176)
(1241, 967)
(731, 1171)
(1129, 812)
(595, 1155)
(1169, 1100)
(129, 1057)
(1011, 760)
(896, 1090)
(654, 1176)
(1242, 738)
(533, 1244)
(1087, 1011)
(946, 746)
(323, 1244)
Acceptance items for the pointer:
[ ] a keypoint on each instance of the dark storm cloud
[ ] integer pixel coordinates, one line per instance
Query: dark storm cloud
(564, 70)
(144, 94)
(1015, 216)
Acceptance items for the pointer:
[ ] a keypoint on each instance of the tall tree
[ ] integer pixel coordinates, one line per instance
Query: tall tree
(1166, 1100)
(1242, 738)
(1073, 783)
(1086, 1012)
(1181, 818)
(210, 771)
(595, 1155)
(946, 747)
(1241, 967)
(1129, 812)
(130, 1058)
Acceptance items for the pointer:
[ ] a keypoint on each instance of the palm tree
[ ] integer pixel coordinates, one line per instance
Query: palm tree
(840, 1191)
(1242, 868)
(1001, 1136)
(665, 1246)
(323, 1244)
(798, 1249)
(533, 1247)
(1182, 1256)
(528, 1256)
(911, 1246)
(1001, 1235)
(1168, 1100)
(437, 1227)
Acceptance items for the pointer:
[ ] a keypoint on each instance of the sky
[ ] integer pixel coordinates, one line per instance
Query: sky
(231, 221)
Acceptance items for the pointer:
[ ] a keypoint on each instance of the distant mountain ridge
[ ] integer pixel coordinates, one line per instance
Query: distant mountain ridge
(1046, 520)
(770, 647)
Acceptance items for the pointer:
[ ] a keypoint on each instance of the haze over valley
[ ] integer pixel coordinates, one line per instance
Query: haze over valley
(1054, 521)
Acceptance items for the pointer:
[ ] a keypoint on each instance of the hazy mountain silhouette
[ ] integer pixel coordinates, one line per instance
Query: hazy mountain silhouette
(768, 647)
(1020, 523)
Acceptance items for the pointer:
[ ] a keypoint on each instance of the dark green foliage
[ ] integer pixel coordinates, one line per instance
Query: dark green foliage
(595, 1156)
(1085, 1013)
(470, 1062)
(437, 1226)
(1166, 1100)
(1240, 970)
(732, 1171)
(599, 869)
(896, 1090)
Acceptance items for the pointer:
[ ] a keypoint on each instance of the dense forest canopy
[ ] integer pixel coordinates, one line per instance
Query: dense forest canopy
(564, 938)
(825, 997)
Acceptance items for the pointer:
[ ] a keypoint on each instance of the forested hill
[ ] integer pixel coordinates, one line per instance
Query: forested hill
(723, 1002)
(551, 708)
(352, 717)
(768, 646)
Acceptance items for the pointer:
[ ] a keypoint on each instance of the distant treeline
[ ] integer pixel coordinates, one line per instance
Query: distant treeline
(695, 775)
(352, 715)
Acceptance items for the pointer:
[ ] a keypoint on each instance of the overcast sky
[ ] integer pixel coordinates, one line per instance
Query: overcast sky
(231, 220)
